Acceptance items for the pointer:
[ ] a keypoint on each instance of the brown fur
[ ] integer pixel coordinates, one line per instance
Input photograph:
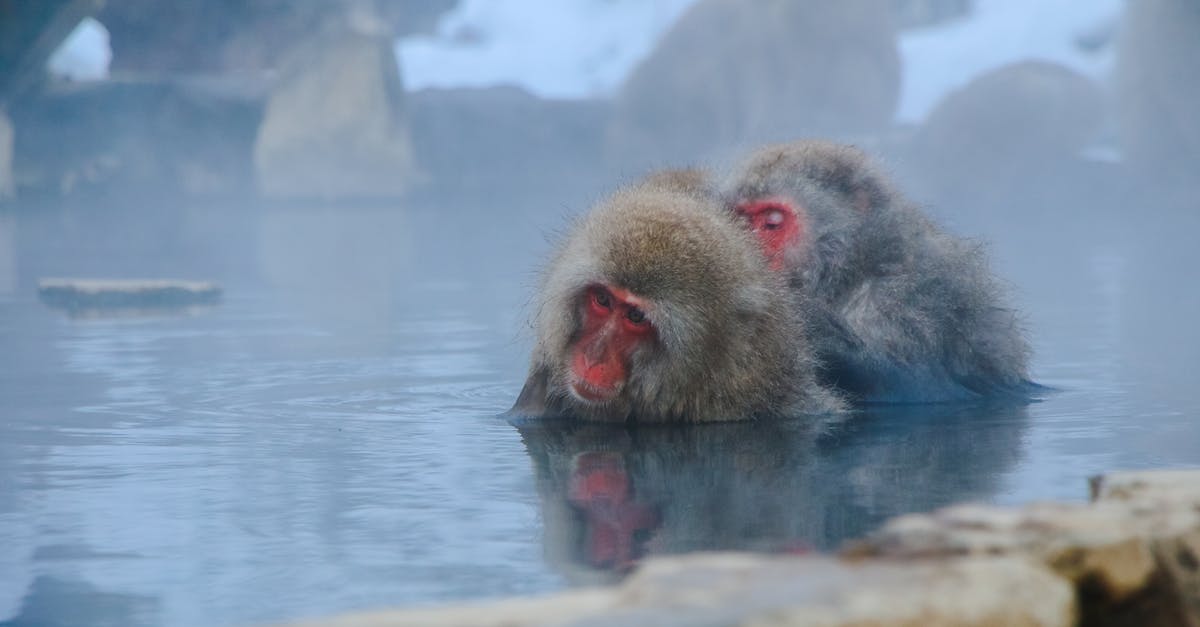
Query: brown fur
(729, 338)
(693, 181)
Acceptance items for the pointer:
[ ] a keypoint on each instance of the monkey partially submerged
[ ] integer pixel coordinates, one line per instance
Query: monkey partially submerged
(900, 311)
(658, 308)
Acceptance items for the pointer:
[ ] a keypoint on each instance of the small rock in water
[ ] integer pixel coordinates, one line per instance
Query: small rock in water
(109, 296)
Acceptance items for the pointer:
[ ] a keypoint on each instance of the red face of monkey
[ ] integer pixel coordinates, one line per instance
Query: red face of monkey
(777, 224)
(614, 324)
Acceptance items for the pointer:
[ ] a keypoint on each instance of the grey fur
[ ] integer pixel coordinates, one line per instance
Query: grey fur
(901, 311)
(729, 343)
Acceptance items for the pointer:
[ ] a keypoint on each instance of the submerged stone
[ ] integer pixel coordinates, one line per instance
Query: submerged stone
(83, 295)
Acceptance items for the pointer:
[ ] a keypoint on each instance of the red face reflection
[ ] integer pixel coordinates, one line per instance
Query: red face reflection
(616, 525)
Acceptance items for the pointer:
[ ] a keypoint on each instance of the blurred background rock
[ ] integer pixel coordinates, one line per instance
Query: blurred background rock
(307, 100)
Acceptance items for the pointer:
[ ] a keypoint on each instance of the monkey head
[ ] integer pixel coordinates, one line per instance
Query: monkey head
(805, 201)
(657, 307)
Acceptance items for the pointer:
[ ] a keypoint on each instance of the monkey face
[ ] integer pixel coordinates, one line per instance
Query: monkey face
(613, 326)
(778, 224)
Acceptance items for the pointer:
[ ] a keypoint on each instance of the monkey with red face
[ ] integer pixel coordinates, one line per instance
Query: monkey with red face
(901, 311)
(658, 308)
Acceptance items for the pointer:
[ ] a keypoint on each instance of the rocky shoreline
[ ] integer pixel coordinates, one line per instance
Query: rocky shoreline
(1131, 556)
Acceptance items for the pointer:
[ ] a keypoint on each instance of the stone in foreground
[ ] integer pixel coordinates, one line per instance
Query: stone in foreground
(719, 589)
(1131, 557)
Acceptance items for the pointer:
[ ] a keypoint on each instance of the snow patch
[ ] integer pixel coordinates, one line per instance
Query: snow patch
(562, 49)
(84, 55)
(940, 59)
(586, 48)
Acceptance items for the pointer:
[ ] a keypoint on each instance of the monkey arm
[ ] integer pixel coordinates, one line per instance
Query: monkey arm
(533, 401)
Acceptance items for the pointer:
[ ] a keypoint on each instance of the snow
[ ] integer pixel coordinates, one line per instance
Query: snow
(84, 55)
(939, 59)
(562, 49)
(585, 48)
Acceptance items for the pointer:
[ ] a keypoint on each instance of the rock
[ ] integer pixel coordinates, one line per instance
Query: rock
(1176, 555)
(6, 156)
(777, 592)
(924, 13)
(730, 74)
(1157, 89)
(1026, 125)
(738, 589)
(134, 135)
(553, 610)
(1128, 558)
(497, 138)
(248, 35)
(1165, 487)
(1023, 112)
(1132, 554)
(334, 125)
(86, 295)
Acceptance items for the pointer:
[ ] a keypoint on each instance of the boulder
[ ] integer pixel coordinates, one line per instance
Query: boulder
(1157, 89)
(731, 74)
(728, 589)
(334, 126)
(500, 138)
(1129, 558)
(150, 36)
(137, 135)
(1014, 134)
(6, 156)
(1132, 554)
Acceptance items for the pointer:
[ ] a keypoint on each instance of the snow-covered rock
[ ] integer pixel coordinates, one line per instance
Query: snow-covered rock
(586, 48)
(564, 49)
(942, 58)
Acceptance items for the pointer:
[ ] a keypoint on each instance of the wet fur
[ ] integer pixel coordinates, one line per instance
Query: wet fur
(901, 311)
(730, 338)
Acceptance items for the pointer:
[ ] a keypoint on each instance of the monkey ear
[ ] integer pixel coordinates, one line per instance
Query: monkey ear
(532, 401)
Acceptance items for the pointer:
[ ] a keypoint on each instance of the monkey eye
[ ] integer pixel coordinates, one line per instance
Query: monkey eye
(600, 297)
(773, 220)
(635, 315)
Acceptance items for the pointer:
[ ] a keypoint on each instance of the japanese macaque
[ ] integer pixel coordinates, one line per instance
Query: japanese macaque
(900, 311)
(658, 308)
(694, 181)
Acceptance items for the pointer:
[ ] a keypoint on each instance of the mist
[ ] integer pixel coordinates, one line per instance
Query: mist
(375, 185)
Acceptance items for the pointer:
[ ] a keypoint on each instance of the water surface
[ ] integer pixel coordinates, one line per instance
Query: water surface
(327, 439)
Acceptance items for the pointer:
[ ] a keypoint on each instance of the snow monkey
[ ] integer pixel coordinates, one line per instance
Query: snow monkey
(658, 307)
(900, 311)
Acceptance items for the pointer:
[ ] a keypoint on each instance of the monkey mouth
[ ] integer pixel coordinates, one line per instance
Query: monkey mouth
(593, 394)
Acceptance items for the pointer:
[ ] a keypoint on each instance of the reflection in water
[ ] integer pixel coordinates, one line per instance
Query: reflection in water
(611, 494)
(54, 602)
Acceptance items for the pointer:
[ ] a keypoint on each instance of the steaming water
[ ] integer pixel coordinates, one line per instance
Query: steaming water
(327, 438)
